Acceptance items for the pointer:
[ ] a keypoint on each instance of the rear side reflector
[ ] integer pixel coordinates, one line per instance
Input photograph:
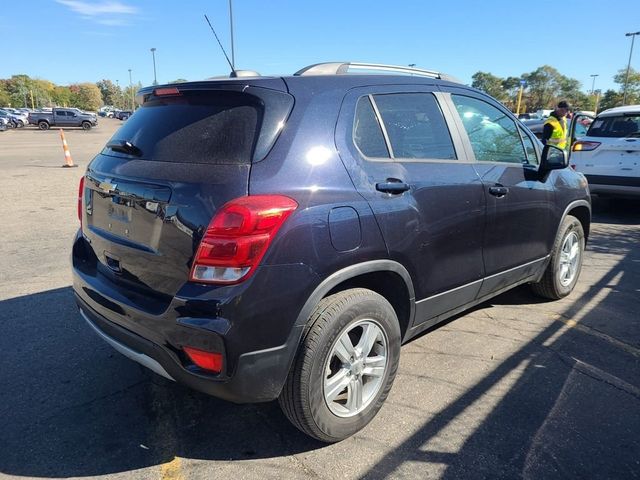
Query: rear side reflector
(80, 192)
(210, 361)
(238, 236)
(584, 146)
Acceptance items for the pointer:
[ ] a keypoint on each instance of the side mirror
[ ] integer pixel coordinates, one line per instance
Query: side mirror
(553, 158)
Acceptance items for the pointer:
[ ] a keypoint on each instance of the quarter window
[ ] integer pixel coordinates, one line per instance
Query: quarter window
(493, 135)
(367, 134)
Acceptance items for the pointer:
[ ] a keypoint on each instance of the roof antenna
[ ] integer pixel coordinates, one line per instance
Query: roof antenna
(233, 70)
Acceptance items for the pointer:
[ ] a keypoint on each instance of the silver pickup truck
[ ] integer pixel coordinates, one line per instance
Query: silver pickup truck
(63, 117)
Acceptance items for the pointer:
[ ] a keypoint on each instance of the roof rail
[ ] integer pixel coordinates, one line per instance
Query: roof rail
(342, 68)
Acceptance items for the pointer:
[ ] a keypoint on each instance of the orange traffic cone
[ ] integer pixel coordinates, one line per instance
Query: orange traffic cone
(68, 161)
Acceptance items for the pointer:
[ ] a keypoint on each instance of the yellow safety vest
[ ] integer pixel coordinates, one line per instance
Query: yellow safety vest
(559, 135)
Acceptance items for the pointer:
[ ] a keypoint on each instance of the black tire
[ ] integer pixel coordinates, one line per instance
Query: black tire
(86, 125)
(42, 125)
(347, 313)
(19, 124)
(563, 271)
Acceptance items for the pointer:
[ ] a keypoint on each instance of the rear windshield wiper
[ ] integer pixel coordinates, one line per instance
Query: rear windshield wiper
(124, 146)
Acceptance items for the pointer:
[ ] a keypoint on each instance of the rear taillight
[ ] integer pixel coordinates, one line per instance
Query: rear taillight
(80, 192)
(211, 361)
(238, 237)
(584, 146)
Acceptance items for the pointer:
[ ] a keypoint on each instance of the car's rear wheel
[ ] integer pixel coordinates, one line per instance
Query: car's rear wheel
(345, 366)
(561, 275)
(43, 125)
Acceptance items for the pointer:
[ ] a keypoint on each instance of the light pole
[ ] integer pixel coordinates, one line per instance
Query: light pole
(131, 88)
(153, 54)
(626, 80)
(522, 84)
(593, 82)
(119, 94)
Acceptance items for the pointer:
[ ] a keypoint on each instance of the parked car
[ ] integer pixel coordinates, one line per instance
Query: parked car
(609, 153)
(281, 237)
(3, 124)
(529, 116)
(123, 114)
(14, 120)
(63, 117)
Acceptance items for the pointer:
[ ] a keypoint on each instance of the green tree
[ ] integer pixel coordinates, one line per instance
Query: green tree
(109, 91)
(86, 96)
(61, 96)
(610, 99)
(490, 84)
(633, 85)
(18, 88)
(543, 87)
(511, 87)
(5, 98)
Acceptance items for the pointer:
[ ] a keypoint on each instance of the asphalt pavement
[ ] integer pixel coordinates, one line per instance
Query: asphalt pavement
(515, 388)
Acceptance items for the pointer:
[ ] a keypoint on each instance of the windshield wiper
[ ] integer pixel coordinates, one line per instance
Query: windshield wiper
(125, 146)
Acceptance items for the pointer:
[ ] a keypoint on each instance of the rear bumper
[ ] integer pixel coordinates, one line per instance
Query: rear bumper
(259, 375)
(614, 185)
(252, 325)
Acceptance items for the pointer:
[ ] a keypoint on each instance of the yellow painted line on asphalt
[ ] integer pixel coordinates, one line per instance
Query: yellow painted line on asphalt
(590, 331)
(172, 470)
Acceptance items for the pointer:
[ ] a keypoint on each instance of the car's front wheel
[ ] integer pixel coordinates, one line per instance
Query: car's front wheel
(345, 365)
(565, 264)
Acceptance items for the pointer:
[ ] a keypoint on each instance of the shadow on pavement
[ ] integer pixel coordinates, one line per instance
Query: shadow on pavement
(71, 406)
(573, 412)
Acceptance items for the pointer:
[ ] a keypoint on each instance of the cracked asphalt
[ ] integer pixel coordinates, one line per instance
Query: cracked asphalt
(515, 388)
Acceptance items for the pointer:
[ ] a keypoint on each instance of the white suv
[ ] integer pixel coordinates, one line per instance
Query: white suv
(609, 154)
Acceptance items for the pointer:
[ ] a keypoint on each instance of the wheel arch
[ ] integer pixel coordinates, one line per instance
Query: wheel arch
(385, 277)
(581, 209)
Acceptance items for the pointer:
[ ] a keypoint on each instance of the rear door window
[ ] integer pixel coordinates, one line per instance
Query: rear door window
(194, 127)
(415, 126)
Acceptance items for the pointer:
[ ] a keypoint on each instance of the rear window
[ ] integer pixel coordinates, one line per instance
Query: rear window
(194, 127)
(616, 126)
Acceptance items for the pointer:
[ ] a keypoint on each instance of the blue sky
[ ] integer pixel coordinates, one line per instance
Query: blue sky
(69, 41)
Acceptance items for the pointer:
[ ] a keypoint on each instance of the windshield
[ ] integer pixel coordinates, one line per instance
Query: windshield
(615, 126)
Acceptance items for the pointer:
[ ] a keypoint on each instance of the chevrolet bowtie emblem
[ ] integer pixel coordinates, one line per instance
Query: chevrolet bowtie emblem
(107, 186)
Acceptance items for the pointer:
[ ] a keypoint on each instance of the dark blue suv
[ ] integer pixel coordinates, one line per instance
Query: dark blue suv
(280, 237)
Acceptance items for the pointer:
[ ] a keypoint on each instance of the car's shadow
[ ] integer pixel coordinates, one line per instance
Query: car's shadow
(72, 406)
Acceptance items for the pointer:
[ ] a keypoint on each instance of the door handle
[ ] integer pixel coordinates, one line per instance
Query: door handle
(393, 186)
(498, 191)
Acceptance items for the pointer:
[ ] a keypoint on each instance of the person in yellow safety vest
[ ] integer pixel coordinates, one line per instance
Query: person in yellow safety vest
(555, 127)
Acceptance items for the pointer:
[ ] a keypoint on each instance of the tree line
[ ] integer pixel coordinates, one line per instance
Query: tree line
(23, 91)
(545, 86)
(542, 89)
